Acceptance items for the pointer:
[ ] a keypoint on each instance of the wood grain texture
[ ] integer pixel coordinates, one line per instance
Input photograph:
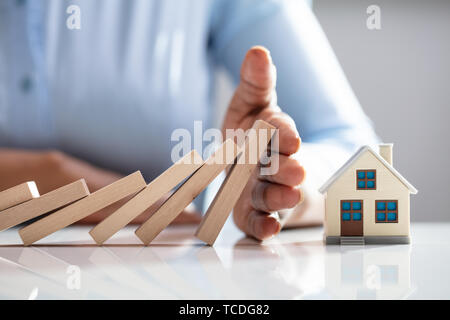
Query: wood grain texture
(154, 191)
(18, 194)
(83, 208)
(173, 206)
(234, 183)
(44, 204)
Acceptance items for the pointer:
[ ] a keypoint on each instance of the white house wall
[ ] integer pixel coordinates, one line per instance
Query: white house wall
(388, 187)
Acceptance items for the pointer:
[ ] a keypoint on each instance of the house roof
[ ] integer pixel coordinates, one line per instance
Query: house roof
(349, 162)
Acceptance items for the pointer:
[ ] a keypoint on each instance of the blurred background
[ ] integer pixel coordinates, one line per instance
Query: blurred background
(401, 76)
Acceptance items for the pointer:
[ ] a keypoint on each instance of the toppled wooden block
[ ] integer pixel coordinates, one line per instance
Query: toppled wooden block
(173, 206)
(18, 194)
(231, 189)
(83, 208)
(44, 204)
(154, 191)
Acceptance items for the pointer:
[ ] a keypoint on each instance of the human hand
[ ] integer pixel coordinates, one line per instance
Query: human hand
(255, 98)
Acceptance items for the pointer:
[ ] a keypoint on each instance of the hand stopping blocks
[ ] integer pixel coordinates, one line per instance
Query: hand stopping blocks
(73, 202)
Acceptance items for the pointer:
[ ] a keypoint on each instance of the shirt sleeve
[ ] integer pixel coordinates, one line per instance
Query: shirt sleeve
(311, 86)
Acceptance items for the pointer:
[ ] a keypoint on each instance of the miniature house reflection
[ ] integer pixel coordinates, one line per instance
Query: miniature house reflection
(369, 273)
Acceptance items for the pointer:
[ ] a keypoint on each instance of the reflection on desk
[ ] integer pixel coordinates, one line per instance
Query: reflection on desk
(293, 265)
(372, 273)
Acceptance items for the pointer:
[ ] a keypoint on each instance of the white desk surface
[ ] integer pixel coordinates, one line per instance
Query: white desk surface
(293, 265)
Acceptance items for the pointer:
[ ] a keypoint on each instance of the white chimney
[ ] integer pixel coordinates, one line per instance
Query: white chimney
(385, 151)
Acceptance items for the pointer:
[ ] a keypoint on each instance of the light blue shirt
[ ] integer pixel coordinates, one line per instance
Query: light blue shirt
(112, 92)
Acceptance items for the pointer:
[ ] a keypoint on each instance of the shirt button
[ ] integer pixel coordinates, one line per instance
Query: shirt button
(26, 84)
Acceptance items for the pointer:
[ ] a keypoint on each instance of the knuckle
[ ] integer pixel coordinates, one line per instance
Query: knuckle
(54, 158)
(296, 172)
(260, 195)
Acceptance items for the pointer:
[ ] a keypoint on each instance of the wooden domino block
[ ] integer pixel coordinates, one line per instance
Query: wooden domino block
(44, 204)
(234, 183)
(83, 208)
(154, 191)
(18, 194)
(173, 206)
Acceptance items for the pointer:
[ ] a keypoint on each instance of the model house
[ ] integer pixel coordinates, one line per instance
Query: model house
(367, 200)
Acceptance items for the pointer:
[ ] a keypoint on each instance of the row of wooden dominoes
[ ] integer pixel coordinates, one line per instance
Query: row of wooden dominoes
(74, 202)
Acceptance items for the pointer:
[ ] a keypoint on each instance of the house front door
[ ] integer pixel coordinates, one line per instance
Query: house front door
(352, 217)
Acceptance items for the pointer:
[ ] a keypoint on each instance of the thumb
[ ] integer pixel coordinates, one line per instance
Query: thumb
(256, 90)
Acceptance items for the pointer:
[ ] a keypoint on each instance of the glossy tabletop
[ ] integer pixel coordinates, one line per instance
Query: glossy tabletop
(294, 265)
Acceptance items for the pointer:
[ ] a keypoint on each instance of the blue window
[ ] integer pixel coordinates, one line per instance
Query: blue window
(392, 216)
(351, 210)
(381, 205)
(381, 216)
(392, 205)
(387, 211)
(366, 179)
(346, 205)
(356, 205)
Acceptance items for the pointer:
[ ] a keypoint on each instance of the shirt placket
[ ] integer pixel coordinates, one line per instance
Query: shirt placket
(29, 115)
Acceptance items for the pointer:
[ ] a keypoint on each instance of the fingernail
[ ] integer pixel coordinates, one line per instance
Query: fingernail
(264, 49)
(269, 55)
(302, 198)
(276, 217)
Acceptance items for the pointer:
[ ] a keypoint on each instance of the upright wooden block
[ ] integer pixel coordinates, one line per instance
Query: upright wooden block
(83, 208)
(44, 204)
(154, 191)
(235, 182)
(173, 206)
(18, 194)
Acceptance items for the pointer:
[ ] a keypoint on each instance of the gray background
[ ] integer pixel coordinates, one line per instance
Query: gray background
(401, 76)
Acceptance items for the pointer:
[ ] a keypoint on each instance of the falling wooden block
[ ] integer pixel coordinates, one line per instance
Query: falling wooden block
(44, 204)
(231, 189)
(173, 206)
(18, 194)
(154, 191)
(83, 208)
